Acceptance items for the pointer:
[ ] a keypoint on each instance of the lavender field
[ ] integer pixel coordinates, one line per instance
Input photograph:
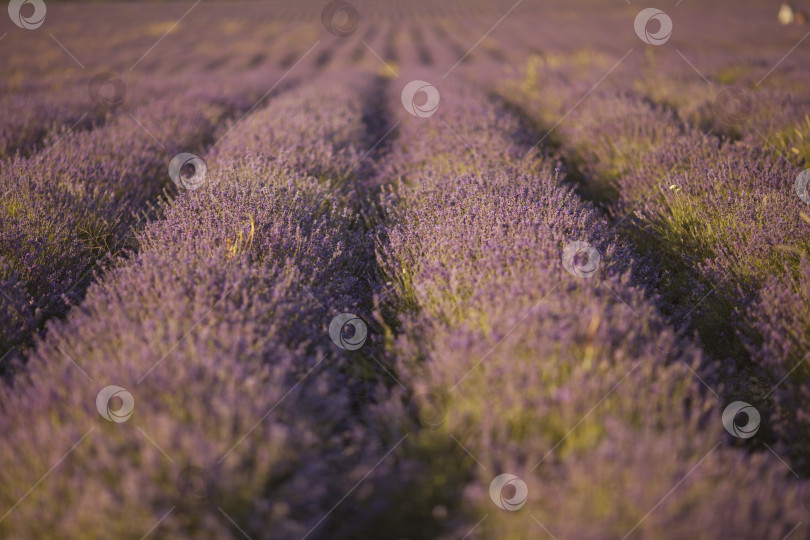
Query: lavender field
(344, 269)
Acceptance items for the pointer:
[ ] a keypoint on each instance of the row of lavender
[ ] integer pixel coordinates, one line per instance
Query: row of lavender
(765, 107)
(70, 205)
(31, 117)
(722, 218)
(40, 113)
(237, 412)
(568, 383)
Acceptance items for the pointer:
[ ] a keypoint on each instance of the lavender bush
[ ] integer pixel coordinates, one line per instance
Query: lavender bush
(721, 217)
